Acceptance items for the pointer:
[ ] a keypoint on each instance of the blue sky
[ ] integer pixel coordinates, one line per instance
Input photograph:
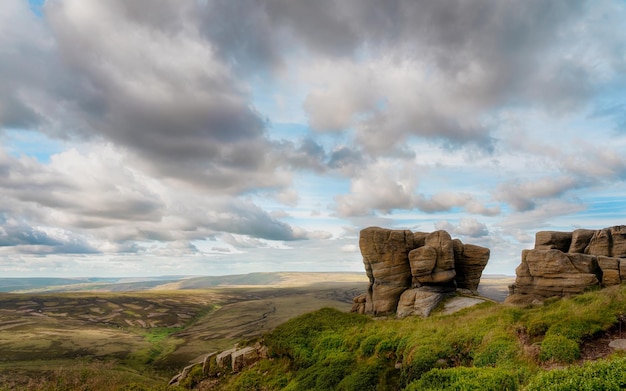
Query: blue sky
(220, 137)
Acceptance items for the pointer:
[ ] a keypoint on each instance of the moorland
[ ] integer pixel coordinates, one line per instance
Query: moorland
(135, 335)
(104, 334)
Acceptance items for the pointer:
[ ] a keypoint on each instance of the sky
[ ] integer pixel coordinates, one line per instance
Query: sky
(212, 137)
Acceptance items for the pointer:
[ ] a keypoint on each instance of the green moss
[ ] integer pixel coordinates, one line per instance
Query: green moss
(559, 348)
(599, 375)
(466, 379)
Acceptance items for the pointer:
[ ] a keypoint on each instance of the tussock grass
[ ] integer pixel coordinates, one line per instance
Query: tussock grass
(488, 347)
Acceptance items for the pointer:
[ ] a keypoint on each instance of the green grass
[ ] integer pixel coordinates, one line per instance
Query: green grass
(487, 347)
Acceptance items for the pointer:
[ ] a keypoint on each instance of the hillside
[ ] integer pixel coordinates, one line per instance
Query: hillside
(488, 347)
(55, 340)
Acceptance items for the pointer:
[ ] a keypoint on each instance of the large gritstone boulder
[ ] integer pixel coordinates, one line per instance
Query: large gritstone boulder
(415, 269)
(566, 263)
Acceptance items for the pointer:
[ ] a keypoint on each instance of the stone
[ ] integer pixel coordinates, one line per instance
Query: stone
(359, 304)
(422, 261)
(610, 270)
(433, 263)
(469, 266)
(206, 363)
(396, 261)
(547, 262)
(553, 240)
(618, 234)
(418, 302)
(243, 357)
(456, 304)
(580, 240)
(385, 256)
(224, 359)
(600, 243)
(183, 374)
(551, 272)
(618, 344)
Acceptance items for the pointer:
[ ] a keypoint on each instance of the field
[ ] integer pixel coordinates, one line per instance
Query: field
(117, 333)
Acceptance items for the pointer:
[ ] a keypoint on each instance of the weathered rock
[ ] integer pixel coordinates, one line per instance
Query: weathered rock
(396, 260)
(434, 262)
(183, 374)
(418, 302)
(618, 234)
(618, 344)
(610, 270)
(553, 240)
(469, 266)
(600, 243)
(359, 304)
(243, 357)
(553, 268)
(224, 359)
(206, 363)
(385, 256)
(580, 240)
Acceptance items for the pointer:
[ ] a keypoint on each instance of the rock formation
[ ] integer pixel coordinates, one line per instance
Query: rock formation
(410, 273)
(565, 263)
(218, 364)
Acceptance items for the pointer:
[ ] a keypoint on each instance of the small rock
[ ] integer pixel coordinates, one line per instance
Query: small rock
(618, 344)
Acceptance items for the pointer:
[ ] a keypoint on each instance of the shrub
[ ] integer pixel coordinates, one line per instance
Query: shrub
(499, 351)
(462, 378)
(559, 348)
(537, 327)
(598, 375)
(368, 346)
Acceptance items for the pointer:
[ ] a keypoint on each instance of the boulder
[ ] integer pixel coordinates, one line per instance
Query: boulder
(565, 263)
(553, 240)
(434, 262)
(359, 304)
(397, 260)
(224, 359)
(469, 266)
(618, 234)
(610, 270)
(600, 243)
(580, 240)
(385, 256)
(418, 301)
(243, 357)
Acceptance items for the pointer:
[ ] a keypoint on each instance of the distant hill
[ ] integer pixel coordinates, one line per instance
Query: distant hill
(493, 286)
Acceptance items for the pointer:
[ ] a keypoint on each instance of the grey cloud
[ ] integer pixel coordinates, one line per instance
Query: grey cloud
(246, 218)
(467, 227)
(147, 81)
(34, 240)
(523, 196)
(384, 187)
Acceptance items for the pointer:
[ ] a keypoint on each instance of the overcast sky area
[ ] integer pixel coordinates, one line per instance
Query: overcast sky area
(201, 137)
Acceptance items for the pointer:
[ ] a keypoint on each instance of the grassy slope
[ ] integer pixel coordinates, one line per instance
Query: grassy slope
(106, 340)
(491, 346)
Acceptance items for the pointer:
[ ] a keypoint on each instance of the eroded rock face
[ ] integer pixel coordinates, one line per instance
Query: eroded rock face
(566, 263)
(413, 268)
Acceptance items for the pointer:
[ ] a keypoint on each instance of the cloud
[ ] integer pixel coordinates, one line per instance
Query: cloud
(523, 196)
(467, 227)
(23, 238)
(96, 194)
(385, 186)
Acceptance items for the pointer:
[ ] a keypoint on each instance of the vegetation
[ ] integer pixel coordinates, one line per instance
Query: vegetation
(488, 347)
(87, 341)
(138, 340)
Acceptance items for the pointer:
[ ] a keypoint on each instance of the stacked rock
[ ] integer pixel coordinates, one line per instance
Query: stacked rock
(410, 273)
(566, 263)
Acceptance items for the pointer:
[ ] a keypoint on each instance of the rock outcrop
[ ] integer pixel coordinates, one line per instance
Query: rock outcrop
(566, 263)
(218, 364)
(410, 273)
